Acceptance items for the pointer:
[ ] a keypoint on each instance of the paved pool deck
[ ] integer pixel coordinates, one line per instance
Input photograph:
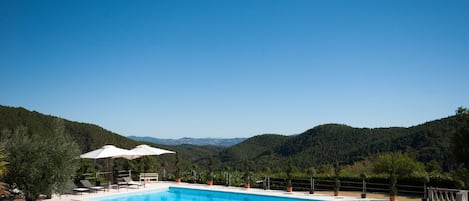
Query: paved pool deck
(164, 185)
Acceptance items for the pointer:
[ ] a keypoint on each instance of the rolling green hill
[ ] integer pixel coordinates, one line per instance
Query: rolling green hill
(252, 147)
(90, 137)
(87, 136)
(320, 145)
(325, 144)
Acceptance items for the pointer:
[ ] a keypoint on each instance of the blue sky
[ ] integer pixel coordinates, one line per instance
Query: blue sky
(226, 68)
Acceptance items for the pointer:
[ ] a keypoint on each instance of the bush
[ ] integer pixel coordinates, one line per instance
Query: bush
(42, 164)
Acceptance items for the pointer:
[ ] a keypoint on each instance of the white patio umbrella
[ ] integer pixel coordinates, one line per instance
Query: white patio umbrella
(110, 151)
(146, 150)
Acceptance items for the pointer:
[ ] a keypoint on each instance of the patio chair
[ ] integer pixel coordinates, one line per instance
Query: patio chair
(76, 189)
(88, 185)
(129, 182)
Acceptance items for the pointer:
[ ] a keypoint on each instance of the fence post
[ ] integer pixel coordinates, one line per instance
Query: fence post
(364, 189)
(268, 183)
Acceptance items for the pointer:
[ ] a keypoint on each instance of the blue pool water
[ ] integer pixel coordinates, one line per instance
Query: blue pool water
(185, 194)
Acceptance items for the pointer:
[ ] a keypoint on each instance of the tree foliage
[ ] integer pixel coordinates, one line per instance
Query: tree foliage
(397, 163)
(3, 171)
(461, 137)
(289, 171)
(41, 164)
(3, 163)
(246, 172)
(319, 147)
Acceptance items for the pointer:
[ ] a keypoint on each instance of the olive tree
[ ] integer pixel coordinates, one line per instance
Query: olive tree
(397, 165)
(461, 137)
(3, 171)
(42, 163)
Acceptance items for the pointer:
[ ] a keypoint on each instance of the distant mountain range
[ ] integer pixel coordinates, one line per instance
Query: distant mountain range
(222, 142)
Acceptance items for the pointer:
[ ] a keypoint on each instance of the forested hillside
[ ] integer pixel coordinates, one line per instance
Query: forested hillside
(325, 144)
(87, 136)
(252, 147)
(90, 137)
(320, 145)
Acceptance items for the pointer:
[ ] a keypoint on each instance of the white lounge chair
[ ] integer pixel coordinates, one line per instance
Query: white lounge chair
(129, 182)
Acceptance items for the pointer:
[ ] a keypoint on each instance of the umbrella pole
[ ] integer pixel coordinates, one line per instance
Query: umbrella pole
(143, 161)
(108, 174)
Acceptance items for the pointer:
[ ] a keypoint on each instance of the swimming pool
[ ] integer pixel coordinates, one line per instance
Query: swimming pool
(188, 194)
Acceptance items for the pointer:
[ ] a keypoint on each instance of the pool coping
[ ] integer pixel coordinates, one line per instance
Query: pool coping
(165, 185)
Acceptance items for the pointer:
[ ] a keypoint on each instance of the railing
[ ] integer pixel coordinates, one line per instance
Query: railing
(328, 185)
(311, 185)
(444, 194)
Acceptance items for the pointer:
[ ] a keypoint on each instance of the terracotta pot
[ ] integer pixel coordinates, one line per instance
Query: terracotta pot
(336, 193)
(210, 182)
(178, 180)
(392, 198)
(289, 189)
(247, 185)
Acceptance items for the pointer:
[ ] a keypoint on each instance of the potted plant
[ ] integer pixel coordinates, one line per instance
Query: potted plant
(194, 173)
(289, 171)
(178, 169)
(227, 176)
(312, 173)
(336, 180)
(393, 188)
(246, 175)
(266, 181)
(210, 171)
(336, 187)
(423, 177)
(363, 176)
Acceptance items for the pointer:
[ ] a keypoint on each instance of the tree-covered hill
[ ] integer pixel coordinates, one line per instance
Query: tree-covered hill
(325, 144)
(320, 145)
(87, 136)
(252, 147)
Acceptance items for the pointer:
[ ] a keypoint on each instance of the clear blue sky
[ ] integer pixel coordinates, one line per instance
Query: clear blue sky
(229, 68)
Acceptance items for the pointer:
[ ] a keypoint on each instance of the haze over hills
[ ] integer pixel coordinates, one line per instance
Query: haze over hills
(323, 144)
(222, 142)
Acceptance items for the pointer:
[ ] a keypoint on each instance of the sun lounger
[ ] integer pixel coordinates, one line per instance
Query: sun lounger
(88, 185)
(129, 182)
(76, 189)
